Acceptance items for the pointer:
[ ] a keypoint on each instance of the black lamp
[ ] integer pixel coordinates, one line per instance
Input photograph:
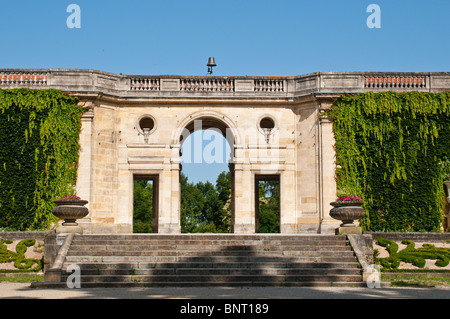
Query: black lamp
(210, 65)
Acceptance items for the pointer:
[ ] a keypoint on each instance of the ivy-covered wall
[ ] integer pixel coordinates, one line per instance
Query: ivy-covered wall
(39, 133)
(393, 150)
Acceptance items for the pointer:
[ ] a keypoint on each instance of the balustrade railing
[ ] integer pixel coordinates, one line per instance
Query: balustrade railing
(207, 85)
(269, 85)
(145, 84)
(395, 81)
(23, 78)
(226, 85)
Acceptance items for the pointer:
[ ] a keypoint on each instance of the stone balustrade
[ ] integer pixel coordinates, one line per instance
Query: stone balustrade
(206, 84)
(393, 81)
(23, 78)
(138, 84)
(269, 85)
(78, 80)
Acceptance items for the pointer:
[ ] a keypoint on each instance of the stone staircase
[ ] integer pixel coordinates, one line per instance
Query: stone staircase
(210, 260)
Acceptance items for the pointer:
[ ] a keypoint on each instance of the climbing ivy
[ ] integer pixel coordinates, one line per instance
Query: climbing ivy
(392, 149)
(39, 132)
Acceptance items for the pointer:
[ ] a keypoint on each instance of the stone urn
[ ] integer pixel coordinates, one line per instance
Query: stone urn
(70, 210)
(347, 212)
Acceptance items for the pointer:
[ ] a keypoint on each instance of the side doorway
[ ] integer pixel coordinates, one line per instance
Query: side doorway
(267, 203)
(145, 203)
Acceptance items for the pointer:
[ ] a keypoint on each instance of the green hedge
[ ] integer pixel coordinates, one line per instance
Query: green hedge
(18, 257)
(39, 132)
(412, 255)
(392, 149)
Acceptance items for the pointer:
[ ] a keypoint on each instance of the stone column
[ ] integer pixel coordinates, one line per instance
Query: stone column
(327, 182)
(175, 222)
(288, 212)
(124, 221)
(84, 172)
(244, 221)
(168, 212)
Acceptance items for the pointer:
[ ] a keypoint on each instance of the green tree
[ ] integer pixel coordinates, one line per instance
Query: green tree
(212, 211)
(223, 189)
(223, 186)
(205, 208)
(192, 204)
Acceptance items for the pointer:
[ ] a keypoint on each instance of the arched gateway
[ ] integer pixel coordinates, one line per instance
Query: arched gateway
(140, 137)
(135, 125)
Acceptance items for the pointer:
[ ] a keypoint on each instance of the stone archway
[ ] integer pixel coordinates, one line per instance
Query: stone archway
(208, 120)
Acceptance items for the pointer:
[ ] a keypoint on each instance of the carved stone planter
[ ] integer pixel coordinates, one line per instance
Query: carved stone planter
(70, 211)
(347, 212)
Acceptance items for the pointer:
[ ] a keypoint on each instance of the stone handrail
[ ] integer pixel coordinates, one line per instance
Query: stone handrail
(55, 272)
(80, 80)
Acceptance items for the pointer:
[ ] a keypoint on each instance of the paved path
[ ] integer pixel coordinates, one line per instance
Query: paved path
(18, 290)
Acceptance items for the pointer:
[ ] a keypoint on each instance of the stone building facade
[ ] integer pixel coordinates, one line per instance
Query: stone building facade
(135, 126)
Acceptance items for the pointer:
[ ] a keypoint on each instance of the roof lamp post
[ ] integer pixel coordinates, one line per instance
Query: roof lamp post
(210, 65)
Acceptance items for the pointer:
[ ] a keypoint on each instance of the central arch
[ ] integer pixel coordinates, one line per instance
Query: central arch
(210, 119)
(206, 120)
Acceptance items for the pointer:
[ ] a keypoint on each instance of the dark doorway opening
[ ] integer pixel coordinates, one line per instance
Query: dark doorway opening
(145, 204)
(267, 202)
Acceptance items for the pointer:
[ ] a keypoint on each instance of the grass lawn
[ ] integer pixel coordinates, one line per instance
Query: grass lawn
(418, 280)
(22, 278)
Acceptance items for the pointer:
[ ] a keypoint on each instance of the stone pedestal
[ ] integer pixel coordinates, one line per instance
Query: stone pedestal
(348, 231)
(69, 230)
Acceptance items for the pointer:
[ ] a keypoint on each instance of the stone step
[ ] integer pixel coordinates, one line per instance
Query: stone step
(263, 271)
(213, 260)
(220, 237)
(156, 284)
(155, 259)
(191, 265)
(188, 254)
(253, 248)
(208, 243)
(224, 279)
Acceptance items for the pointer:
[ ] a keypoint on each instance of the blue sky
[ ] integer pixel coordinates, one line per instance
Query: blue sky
(285, 37)
(214, 153)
